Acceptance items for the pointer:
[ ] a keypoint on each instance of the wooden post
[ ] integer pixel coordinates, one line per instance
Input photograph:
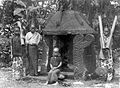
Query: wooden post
(101, 31)
(47, 52)
(11, 54)
(111, 33)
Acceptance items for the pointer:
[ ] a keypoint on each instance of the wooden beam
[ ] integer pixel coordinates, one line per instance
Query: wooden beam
(111, 33)
(101, 31)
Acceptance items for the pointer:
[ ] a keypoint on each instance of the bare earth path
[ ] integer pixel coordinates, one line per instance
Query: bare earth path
(38, 82)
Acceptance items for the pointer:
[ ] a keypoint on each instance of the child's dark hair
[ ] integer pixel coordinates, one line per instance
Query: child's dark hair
(106, 26)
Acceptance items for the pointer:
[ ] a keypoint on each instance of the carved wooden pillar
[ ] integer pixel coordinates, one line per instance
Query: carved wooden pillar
(79, 43)
(47, 53)
(78, 57)
(54, 41)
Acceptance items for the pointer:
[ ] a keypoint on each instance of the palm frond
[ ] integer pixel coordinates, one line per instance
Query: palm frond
(18, 2)
(18, 11)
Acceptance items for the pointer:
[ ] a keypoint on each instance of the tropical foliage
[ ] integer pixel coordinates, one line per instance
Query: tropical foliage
(38, 11)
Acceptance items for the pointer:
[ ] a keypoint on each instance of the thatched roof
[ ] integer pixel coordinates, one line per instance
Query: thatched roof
(67, 22)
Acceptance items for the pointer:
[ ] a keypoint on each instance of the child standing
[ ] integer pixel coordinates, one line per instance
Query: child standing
(17, 64)
(106, 55)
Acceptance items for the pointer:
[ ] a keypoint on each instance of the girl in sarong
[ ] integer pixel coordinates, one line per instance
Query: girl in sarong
(17, 65)
(106, 59)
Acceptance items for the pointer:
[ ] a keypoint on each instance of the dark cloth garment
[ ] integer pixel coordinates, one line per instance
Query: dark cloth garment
(54, 72)
(53, 75)
(55, 61)
(24, 57)
(16, 46)
(23, 50)
(33, 59)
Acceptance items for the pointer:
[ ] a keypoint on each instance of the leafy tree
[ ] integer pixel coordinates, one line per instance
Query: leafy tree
(7, 12)
(10, 14)
(33, 10)
(1, 13)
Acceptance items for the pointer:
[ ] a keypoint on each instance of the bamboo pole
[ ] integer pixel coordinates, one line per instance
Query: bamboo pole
(101, 31)
(47, 52)
(111, 33)
(11, 54)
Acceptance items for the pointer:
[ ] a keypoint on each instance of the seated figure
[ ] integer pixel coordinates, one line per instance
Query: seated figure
(55, 64)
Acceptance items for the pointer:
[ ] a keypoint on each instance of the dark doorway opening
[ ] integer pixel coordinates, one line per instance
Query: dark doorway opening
(65, 42)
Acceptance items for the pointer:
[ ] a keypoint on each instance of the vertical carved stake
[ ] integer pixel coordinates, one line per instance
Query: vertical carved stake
(111, 33)
(101, 31)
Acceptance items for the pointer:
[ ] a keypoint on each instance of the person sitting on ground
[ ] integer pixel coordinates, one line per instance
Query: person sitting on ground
(55, 64)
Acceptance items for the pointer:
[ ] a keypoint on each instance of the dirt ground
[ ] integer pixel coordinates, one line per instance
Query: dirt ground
(6, 81)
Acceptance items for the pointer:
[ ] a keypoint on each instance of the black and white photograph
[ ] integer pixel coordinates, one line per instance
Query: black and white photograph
(59, 43)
